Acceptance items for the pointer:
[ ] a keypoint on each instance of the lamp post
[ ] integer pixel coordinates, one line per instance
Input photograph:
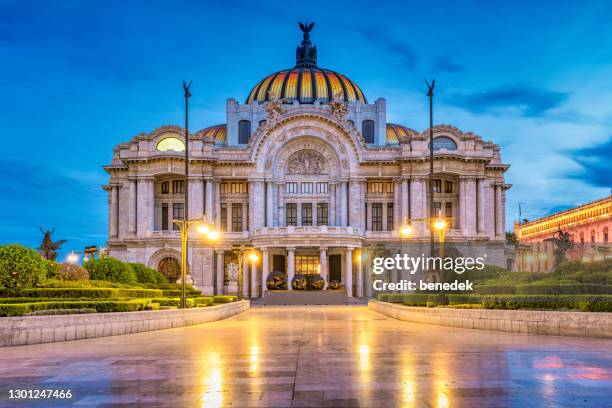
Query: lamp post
(204, 229)
(252, 256)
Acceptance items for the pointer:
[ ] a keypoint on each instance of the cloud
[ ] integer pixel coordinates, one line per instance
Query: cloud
(595, 163)
(379, 35)
(446, 65)
(527, 100)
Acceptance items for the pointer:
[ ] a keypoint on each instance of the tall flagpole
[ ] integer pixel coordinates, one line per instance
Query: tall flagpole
(432, 206)
(184, 230)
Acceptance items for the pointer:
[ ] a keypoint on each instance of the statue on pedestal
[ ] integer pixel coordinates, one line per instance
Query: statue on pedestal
(232, 275)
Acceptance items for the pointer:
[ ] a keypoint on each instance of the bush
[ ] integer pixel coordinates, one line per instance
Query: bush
(58, 283)
(21, 267)
(204, 301)
(71, 272)
(110, 269)
(92, 293)
(61, 312)
(544, 288)
(415, 299)
(101, 306)
(177, 292)
(148, 275)
(488, 272)
(224, 299)
(152, 306)
(591, 303)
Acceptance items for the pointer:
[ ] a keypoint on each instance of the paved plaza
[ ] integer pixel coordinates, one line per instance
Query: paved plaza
(317, 356)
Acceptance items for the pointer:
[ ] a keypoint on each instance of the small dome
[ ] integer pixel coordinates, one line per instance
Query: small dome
(216, 134)
(398, 133)
(306, 82)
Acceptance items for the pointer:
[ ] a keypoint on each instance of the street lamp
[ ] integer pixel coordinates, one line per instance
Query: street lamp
(72, 258)
(406, 228)
(440, 225)
(183, 226)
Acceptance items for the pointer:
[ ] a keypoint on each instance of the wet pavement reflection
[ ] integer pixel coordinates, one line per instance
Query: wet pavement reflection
(315, 356)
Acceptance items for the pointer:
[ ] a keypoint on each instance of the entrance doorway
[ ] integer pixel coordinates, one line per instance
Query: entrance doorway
(170, 268)
(335, 268)
(278, 263)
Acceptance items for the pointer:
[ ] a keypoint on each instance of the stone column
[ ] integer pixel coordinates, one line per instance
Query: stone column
(343, 204)
(269, 204)
(151, 213)
(257, 203)
(461, 213)
(471, 207)
(362, 207)
(228, 218)
(209, 201)
(220, 272)
(132, 208)
(480, 185)
(323, 263)
(281, 205)
(254, 281)
(245, 217)
(196, 200)
(359, 276)
(354, 204)
(369, 217)
(114, 214)
(332, 205)
(142, 207)
(349, 271)
(265, 268)
(217, 192)
(384, 216)
(397, 205)
(290, 266)
(499, 215)
(245, 275)
(404, 200)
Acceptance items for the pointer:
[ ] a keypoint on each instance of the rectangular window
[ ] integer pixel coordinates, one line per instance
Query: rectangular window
(307, 265)
(291, 216)
(437, 187)
(377, 217)
(306, 214)
(306, 188)
(449, 210)
(178, 187)
(165, 187)
(236, 217)
(321, 188)
(223, 188)
(178, 212)
(389, 216)
(448, 186)
(375, 187)
(322, 211)
(164, 217)
(438, 209)
(223, 217)
(389, 187)
(291, 188)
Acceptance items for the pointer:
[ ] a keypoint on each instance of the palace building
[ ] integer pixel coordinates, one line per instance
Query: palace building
(588, 225)
(309, 173)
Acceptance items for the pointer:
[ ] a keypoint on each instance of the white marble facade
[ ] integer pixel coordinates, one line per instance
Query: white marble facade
(306, 184)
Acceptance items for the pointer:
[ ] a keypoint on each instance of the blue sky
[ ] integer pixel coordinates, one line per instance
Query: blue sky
(79, 77)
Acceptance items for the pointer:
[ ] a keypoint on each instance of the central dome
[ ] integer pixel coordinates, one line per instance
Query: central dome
(306, 82)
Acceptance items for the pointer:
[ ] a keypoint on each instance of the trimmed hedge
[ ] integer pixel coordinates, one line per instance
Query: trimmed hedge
(544, 289)
(57, 283)
(101, 306)
(61, 312)
(70, 272)
(586, 303)
(177, 292)
(21, 267)
(93, 293)
(425, 299)
(224, 299)
(110, 269)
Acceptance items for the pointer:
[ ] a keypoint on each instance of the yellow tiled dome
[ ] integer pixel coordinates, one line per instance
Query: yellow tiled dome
(395, 133)
(306, 82)
(217, 134)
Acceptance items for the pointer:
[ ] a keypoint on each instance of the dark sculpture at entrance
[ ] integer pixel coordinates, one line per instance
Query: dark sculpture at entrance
(299, 282)
(48, 249)
(276, 281)
(334, 285)
(316, 282)
(562, 242)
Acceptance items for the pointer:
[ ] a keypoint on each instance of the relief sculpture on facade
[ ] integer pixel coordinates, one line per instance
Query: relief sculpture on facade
(306, 162)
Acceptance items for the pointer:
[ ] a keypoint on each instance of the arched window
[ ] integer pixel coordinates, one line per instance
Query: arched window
(170, 268)
(605, 234)
(171, 143)
(262, 122)
(367, 130)
(443, 142)
(244, 131)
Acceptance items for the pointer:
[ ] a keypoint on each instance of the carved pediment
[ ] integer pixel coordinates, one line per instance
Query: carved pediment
(306, 162)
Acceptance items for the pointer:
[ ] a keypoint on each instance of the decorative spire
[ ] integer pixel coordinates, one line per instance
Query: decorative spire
(306, 53)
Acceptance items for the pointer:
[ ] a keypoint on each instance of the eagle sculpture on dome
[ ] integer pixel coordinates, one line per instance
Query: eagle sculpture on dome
(306, 53)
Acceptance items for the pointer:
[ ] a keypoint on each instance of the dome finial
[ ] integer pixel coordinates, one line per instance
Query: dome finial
(306, 53)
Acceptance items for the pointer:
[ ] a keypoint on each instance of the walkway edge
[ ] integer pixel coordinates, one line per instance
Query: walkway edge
(555, 323)
(17, 331)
